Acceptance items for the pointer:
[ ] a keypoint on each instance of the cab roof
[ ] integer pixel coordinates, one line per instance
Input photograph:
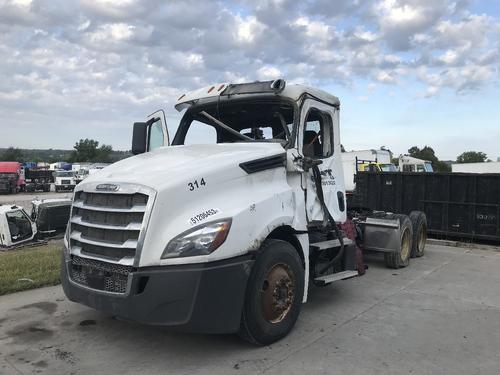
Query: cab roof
(8, 207)
(275, 87)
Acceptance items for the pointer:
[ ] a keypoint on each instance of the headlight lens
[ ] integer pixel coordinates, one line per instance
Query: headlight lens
(198, 241)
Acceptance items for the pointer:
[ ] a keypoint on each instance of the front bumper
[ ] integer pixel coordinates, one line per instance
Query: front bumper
(205, 298)
(65, 187)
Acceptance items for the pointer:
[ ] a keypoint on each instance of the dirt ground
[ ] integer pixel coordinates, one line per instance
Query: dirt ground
(441, 315)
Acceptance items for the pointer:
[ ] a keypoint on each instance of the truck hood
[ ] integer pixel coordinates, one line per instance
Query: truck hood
(171, 165)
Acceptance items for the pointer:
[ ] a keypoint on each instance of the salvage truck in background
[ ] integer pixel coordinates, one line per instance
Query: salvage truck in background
(11, 177)
(48, 217)
(64, 180)
(38, 179)
(225, 227)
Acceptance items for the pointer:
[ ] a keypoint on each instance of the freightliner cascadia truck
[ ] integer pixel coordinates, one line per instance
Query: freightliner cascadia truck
(224, 227)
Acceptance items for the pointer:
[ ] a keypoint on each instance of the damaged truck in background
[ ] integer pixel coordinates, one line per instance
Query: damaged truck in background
(48, 217)
(225, 227)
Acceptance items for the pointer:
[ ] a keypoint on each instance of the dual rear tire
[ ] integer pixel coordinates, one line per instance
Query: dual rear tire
(401, 257)
(413, 236)
(419, 223)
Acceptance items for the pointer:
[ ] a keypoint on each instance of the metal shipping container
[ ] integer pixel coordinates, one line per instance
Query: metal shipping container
(465, 205)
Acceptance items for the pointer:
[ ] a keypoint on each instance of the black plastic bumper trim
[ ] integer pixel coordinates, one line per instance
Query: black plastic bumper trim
(205, 298)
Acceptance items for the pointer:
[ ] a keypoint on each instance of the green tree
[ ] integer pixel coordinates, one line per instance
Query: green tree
(12, 154)
(427, 153)
(88, 150)
(471, 157)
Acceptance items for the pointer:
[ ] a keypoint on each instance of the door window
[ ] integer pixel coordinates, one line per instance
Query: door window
(318, 135)
(155, 135)
(19, 225)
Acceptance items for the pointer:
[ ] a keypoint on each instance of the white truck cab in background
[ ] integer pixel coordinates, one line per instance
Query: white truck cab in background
(16, 227)
(64, 180)
(222, 227)
(410, 164)
(353, 160)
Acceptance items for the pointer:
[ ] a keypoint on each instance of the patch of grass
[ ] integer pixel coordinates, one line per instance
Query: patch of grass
(30, 268)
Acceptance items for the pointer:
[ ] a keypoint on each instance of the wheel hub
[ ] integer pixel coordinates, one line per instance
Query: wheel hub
(405, 245)
(277, 293)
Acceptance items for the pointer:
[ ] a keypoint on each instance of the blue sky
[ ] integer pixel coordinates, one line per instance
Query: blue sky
(407, 72)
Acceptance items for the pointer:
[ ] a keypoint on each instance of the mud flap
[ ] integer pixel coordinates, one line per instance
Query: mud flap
(382, 235)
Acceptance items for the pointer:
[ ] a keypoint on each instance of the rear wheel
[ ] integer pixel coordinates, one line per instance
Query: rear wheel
(401, 257)
(274, 294)
(419, 224)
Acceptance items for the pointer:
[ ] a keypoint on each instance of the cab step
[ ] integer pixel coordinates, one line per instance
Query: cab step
(330, 244)
(327, 279)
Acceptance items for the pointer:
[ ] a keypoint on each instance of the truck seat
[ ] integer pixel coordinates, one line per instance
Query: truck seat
(312, 147)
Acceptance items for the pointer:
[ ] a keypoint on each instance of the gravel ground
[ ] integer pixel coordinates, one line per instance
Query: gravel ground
(24, 199)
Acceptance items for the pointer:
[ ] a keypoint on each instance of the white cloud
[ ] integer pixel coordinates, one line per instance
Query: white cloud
(385, 77)
(248, 29)
(73, 58)
(268, 73)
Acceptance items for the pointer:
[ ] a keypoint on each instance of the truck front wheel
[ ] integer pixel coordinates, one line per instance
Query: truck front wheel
(401, 257)
(274, 294)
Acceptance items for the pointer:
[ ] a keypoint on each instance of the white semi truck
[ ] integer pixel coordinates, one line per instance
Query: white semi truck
(224, 227)
(64, 180)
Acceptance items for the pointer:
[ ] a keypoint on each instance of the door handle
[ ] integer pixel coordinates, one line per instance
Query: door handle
(340, 197)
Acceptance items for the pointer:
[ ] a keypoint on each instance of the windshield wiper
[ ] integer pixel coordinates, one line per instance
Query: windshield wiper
(226, 127)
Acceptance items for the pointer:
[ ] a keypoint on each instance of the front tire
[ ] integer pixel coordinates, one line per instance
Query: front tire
(274, 294)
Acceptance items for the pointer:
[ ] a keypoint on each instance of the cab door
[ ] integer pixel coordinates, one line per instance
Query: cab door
(319, 138)
(157, 130)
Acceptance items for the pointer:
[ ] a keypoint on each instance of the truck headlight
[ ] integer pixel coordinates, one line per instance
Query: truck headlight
(198, 241)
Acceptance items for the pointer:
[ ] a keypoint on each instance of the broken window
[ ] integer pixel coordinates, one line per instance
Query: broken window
(19, 225)
(318, 135)
(269, 120)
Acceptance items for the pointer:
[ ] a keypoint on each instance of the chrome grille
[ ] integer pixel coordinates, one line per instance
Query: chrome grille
(108, 277)
(107, 225)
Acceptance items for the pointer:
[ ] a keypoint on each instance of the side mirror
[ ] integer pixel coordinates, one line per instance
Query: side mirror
(139, 138)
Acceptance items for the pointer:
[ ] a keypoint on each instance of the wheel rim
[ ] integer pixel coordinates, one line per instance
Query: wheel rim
(405, 244)
(422, 238)
(277, 293)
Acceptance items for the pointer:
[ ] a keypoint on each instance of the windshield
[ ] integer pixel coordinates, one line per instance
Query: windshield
(269, 120)
(63, 174)
(388, 168)
(428, 167)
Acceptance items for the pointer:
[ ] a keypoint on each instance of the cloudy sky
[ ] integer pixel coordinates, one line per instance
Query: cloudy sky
(408, 72)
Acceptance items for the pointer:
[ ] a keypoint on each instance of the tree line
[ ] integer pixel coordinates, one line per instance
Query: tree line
(85, 151)
(89, 151)
(427, 153)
